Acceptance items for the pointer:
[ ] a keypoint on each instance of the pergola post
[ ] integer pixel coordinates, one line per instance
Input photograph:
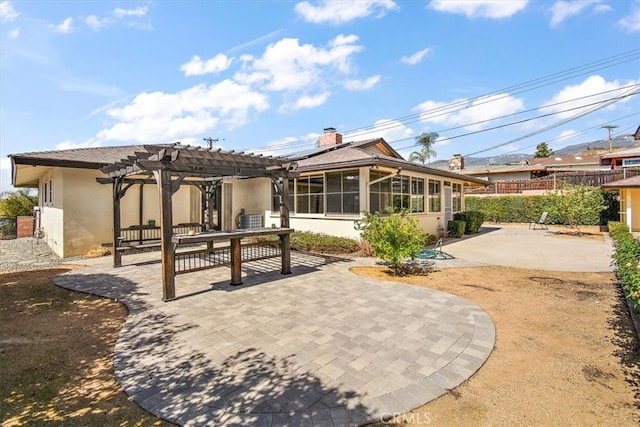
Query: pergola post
(285, 239)
(117, 224)
(118, 194)
(163, 177)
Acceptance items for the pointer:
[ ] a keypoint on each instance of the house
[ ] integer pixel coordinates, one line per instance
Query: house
(629, 158)
(75, 212)
(335, 183)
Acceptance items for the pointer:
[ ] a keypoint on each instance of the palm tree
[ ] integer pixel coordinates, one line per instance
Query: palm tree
(426, 153)
(420, 156)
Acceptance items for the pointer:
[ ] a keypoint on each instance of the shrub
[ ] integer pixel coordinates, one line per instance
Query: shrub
(627, 258)
(17, 203)
(393, 238)
(472, 219)
(456, 228)
(577, 205)
(319, 242)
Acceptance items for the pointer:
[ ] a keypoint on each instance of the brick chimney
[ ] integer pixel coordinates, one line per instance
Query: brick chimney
(330, 137)
(456, 163)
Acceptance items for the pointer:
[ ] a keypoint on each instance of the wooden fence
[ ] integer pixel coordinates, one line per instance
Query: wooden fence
(554, 182)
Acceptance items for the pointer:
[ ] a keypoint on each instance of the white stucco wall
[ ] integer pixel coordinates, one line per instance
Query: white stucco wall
(252, 195)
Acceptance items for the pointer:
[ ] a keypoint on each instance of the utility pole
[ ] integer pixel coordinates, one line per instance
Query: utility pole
(610, 128)
(210, 141)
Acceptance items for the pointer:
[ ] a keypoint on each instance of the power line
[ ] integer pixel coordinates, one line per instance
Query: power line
(489, 97)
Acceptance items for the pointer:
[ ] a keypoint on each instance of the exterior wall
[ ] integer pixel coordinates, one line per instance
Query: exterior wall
(252, 195)
(630, 207)
(343, 226)
(88, 211)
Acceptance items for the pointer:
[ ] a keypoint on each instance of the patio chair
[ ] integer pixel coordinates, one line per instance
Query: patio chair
(540, 222)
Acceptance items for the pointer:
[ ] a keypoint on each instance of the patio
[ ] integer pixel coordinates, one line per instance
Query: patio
(319, 347)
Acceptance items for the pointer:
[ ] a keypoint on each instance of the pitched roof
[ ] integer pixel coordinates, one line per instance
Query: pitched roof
(631, 152)
(633, 182)
(556, 161)
(370, 153)
(82, 158)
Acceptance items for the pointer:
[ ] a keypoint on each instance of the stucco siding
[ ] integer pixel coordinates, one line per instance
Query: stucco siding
(88, 211)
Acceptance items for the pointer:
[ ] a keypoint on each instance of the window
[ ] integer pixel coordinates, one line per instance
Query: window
(343, 192)
(398, 191)
(435, 202)
(456, 198)
(276, 198)
(380, 192)
(310, 194)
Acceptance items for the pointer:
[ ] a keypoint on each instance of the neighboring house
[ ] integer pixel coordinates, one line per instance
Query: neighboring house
(629, 158)
(337, 182)
(535, 167)
(629, 200)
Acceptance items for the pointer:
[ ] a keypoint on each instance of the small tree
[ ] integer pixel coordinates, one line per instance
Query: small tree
(393, 238)
(17, 203)
(543, 150)
(576, 205)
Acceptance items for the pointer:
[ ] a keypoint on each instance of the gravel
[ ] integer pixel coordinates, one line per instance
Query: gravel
(28, 253)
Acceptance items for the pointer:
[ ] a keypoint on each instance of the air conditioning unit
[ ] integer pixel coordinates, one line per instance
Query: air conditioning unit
(250, 221)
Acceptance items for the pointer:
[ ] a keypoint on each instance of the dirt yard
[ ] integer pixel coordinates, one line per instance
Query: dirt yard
(565, 350)
(56, 356)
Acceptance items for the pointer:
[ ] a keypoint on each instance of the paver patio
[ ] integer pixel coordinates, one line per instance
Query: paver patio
(322, 346)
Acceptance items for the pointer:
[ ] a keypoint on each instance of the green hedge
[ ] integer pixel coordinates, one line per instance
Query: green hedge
(456, 228)
(472, 218)
(529, 208)
(627, 258)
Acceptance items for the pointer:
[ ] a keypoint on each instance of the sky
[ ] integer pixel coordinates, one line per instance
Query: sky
(262, 76)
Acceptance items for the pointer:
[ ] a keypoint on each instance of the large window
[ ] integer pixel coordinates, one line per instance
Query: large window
(397, 191)
(343, 192)
(456, 198)
(310, 194)
(435, 201)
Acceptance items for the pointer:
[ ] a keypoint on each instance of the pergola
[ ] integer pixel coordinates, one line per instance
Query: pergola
(172, 166)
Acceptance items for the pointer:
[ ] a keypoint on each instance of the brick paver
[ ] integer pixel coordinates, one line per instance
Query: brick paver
(321, 346)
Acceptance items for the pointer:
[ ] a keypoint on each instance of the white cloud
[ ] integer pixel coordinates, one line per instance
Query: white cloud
(469, 113)
(390, 130)
(495, 9)
(288, 66)
(631, 22)
(562, 10)
(14, 33)
(7, 12)
(601, 8)
(255, 41)
(130, 16)
(593, 85)
(95, 23)
(197, 66)
(163, 117)
(65, 27)
(416, 57)
(341, 11)
(360, 85)
(307, 101)
(138, 11)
